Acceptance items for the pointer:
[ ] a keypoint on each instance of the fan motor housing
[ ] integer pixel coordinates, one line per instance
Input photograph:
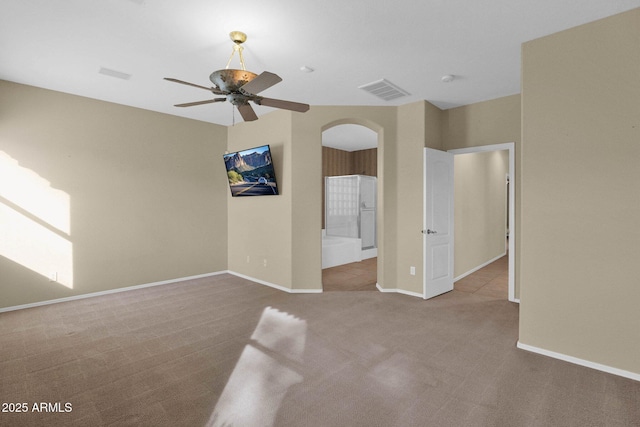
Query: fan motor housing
(237, 99)
(229, 80)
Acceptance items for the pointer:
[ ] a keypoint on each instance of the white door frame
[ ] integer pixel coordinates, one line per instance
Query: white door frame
(511, 146)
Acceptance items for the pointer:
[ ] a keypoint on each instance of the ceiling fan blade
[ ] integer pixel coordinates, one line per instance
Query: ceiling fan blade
(211, 89)
(208, 101)
(247, 113)
(264, 81)
(285, 105)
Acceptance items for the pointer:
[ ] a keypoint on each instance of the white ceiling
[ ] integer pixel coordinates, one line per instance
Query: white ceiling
(350, 138)
(62, 44)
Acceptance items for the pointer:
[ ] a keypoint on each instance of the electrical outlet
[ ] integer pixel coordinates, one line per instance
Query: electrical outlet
(53, 277)
(248, 259)
(265, 262)
(412, 270)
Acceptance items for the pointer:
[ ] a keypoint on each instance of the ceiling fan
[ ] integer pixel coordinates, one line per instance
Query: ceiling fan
(241, 86)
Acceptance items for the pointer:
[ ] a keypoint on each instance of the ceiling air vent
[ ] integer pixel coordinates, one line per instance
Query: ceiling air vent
(384, 89)
(114, 73)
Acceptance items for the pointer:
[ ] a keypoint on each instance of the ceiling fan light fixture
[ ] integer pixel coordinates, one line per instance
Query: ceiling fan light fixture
(231, 80)
(242, 86)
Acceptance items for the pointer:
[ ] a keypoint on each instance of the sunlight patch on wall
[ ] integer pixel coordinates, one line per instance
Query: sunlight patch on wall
(267, 368)
(34, 223)
(31, 192)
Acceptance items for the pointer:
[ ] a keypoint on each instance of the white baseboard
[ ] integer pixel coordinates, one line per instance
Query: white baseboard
(399, 291)
(369, 253)
(107, 292)
(278, 287)
(473, 270)
(581, 362)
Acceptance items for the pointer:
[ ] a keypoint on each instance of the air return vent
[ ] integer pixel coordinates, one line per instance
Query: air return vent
(384, 89)
(114, 73)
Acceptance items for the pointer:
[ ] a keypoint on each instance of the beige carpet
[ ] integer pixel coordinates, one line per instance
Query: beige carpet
(223, 351)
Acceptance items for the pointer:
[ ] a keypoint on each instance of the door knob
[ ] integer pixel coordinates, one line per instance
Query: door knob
(432, 232)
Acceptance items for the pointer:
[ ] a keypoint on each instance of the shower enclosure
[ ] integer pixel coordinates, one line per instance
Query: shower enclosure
(350, 209)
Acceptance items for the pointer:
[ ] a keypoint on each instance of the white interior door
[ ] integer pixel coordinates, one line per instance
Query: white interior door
(438, 222)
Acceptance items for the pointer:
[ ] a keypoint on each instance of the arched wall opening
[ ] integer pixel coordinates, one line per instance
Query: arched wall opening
(353, 147)
(305, 167)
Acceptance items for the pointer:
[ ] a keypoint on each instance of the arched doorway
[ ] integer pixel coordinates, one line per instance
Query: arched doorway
(349, 208)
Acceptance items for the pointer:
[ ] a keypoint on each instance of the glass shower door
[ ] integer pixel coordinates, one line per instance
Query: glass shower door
(341, 206)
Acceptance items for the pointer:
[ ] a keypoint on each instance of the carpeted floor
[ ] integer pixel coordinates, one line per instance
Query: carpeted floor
(223, 351)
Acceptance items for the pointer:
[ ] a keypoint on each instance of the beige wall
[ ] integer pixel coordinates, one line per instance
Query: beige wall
(145, 148)
(260, 227)
(307, 193)
(288, 232)
(480, 208)
(418, 127)
(486, 123)
(402, 131)
(106, 196)
(124, 169)
(580, 199)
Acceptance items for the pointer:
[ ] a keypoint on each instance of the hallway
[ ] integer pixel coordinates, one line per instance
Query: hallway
(490, 281)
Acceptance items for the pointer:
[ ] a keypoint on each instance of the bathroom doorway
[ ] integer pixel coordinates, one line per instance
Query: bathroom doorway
(349, 208)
